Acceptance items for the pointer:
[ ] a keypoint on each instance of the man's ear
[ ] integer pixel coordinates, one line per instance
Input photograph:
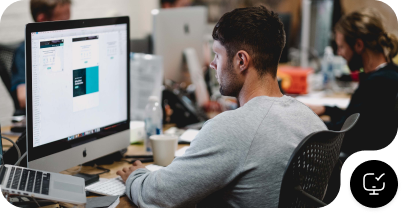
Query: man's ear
(359, 46)
(41, 17)
(242, 60)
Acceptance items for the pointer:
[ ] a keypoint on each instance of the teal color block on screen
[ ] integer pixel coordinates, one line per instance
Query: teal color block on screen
(92, 79)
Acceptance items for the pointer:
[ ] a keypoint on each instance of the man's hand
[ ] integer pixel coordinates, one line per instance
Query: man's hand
(124, 173)
(319, 110)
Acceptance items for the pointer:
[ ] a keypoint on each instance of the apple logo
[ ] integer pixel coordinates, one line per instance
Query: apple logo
(84, 153)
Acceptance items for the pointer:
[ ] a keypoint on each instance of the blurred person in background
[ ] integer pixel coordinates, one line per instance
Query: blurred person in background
(175, 3)
(367, 47)
(41, 11)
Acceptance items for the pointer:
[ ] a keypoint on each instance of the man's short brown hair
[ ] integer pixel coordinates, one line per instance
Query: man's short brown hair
(256, 30)
(45, 6)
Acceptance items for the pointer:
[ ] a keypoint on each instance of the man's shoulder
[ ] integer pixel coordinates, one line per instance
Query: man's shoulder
(20, 49)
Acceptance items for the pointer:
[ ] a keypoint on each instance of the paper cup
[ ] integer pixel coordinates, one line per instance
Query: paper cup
(163, 148)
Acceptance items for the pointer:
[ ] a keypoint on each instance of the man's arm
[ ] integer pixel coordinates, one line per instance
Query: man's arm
(21, 95)
(213, 160)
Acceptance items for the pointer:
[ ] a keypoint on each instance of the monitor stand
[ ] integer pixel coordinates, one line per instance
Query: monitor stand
(108, 159)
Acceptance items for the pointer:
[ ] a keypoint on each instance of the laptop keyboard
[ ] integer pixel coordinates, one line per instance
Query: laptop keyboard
(29, 180)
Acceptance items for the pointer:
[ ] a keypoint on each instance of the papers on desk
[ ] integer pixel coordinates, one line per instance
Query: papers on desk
(180, 152)
(320, 99)
(185, 136)
(188, 135)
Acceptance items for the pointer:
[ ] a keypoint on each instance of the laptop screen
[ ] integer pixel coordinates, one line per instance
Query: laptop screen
(79, 82)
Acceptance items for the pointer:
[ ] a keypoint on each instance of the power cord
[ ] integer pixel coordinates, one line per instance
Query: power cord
(101, 168)
(19, 160)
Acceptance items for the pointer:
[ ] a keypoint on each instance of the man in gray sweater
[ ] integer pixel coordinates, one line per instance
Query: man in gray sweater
(239, 157)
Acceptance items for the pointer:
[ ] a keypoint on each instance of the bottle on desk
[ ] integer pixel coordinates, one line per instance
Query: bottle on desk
(153, 120)
(327, 64)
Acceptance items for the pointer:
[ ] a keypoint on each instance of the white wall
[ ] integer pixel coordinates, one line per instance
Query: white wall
(17, 15)
(14, 18)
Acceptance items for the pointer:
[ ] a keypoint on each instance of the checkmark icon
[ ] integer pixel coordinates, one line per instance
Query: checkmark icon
(379, 177)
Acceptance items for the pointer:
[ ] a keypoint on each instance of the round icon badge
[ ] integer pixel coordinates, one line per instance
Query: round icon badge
(374, 184)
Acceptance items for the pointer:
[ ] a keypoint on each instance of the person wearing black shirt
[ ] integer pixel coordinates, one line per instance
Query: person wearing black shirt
(363, 42)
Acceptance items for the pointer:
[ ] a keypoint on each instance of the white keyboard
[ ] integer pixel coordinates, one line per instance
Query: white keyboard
(110, 187)
(114, 186)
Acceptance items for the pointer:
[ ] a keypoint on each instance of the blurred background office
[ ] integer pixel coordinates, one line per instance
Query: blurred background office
(322, 16)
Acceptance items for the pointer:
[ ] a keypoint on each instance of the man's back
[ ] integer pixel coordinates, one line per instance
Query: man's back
(237, 160)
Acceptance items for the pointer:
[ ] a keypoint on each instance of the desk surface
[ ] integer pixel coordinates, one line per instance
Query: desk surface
(132, 150)
(6, 143)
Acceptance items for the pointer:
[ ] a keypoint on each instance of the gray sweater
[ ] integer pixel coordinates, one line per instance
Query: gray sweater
(236, 160)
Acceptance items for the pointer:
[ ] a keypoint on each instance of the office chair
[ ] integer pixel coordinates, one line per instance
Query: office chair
(6, 60)
(306, 177)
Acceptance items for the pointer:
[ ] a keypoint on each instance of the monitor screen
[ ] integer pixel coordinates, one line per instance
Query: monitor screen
(77, 83)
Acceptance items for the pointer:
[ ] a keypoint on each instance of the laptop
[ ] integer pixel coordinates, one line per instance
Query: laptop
(41, 184)
(16, 180)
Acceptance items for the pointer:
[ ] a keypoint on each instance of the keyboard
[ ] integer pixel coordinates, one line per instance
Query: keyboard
(114, 186)
(29, 180)
(110, 187)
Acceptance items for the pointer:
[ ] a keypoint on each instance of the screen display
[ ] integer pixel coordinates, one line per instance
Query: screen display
(79, 82)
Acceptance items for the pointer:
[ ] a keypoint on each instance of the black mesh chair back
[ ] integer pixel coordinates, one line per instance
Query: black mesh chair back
(6, 60)
(306, 176)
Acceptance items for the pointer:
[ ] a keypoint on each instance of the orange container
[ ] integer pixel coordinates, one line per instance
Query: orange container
(294, 79)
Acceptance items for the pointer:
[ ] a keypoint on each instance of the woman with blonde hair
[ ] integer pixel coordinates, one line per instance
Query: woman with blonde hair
(363, 41)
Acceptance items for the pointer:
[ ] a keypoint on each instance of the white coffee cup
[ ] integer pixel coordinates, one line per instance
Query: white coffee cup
(163, 148)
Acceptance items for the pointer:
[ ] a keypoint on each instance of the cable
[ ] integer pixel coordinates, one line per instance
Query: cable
(15, 145)
(19, 160)
(35, 201)
(106, 170)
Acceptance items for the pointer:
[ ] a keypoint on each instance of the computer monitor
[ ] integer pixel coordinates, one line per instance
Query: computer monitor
(78, 97)
(175, 30)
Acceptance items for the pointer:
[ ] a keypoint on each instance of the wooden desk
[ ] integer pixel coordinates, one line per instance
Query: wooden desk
(132, 150)
(6, 143)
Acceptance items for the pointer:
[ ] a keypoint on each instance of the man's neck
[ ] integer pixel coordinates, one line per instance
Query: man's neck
(255, 87)
(371, 60)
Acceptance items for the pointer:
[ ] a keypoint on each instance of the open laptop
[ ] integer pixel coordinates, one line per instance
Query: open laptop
(41, 184)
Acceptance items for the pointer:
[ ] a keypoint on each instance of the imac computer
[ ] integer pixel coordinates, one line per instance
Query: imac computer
(178, 36)
(175, 30)
(78, 97)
